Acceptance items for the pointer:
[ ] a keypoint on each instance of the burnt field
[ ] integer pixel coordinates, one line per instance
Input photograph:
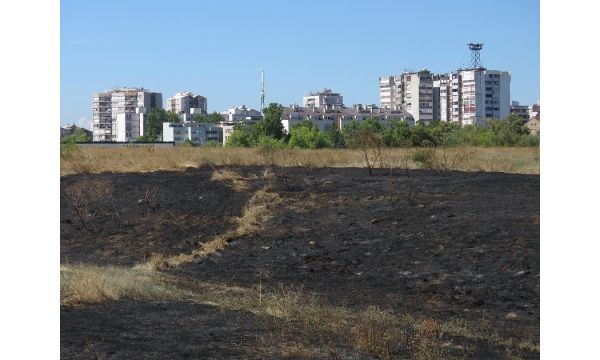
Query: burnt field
(299, 263)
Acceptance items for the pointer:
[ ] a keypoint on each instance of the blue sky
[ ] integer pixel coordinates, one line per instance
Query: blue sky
(216, 48)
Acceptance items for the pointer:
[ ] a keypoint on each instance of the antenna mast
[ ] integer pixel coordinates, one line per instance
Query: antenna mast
(475, 59)
(262, 90)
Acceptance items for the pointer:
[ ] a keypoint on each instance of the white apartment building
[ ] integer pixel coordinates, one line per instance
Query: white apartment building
(326, 100)
(410, 91)
(386, 89)
(418, 95)
(187, 105)
(198, 133)
(447, 104)
(119, 114)
(241, 114)
(467, 96)
(391, 93)
(485, 94)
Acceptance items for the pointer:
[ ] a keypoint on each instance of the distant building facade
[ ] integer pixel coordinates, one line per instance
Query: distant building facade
(534, 110)
(521, 111)
(467, 96)
(326, 100)
(120, 114)
(328, 120)
(198, 133)
(187, 105)
(241, 114)
(410, 91)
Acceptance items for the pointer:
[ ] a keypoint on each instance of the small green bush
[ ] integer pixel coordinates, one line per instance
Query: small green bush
(423, 158)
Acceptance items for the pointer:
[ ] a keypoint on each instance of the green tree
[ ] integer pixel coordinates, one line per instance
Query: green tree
(241, 136)
(398, 134)
(154, 123)
(372, 123)
(213, 118)
(306, 135)
(270, 124)
(337, 138)
(420, 136)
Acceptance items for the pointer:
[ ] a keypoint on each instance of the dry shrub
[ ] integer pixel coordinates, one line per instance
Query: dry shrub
(84, 198)
(90, 284)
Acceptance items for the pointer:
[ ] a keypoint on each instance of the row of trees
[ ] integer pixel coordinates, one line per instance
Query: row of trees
(306, 135)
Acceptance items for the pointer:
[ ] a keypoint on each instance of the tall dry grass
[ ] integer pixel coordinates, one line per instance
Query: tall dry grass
(90, 160)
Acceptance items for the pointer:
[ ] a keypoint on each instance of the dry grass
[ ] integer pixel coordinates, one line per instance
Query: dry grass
(232, 179)
(90, 160)
(295, 315)
(89, 284)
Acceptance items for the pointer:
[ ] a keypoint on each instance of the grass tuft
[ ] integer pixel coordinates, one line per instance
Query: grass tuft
(90, 284)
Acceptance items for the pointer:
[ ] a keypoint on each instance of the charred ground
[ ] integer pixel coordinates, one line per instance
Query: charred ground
(460, 248)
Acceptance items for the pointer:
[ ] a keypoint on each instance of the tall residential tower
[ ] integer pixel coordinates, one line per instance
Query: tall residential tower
(119, 114)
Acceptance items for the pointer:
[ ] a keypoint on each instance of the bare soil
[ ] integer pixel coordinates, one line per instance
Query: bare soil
(461, 246)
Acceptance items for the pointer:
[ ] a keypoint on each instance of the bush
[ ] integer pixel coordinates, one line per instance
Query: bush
(306, 135)
(423, 158)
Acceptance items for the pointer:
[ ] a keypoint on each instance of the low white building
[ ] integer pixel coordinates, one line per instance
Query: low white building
(198, 133)
(241, 114)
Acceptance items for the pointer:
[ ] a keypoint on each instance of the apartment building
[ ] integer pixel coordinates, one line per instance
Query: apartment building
(241, 114)
(410, 91)
(418, 95)
(521, 111)
(467, 96)
(484, 94)
(446, 103)
(198, 133)
(327, 120)
(187, 105)
(120, 114)
(391, 94)
(326, 100)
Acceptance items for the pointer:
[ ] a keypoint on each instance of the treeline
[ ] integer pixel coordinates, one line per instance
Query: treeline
(306, 135)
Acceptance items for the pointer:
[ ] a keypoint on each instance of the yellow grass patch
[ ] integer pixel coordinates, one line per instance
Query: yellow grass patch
(98, 160)
(89, 284)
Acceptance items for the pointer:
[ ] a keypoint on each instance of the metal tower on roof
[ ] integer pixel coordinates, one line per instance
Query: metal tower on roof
(475, 59)
(262, 90)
